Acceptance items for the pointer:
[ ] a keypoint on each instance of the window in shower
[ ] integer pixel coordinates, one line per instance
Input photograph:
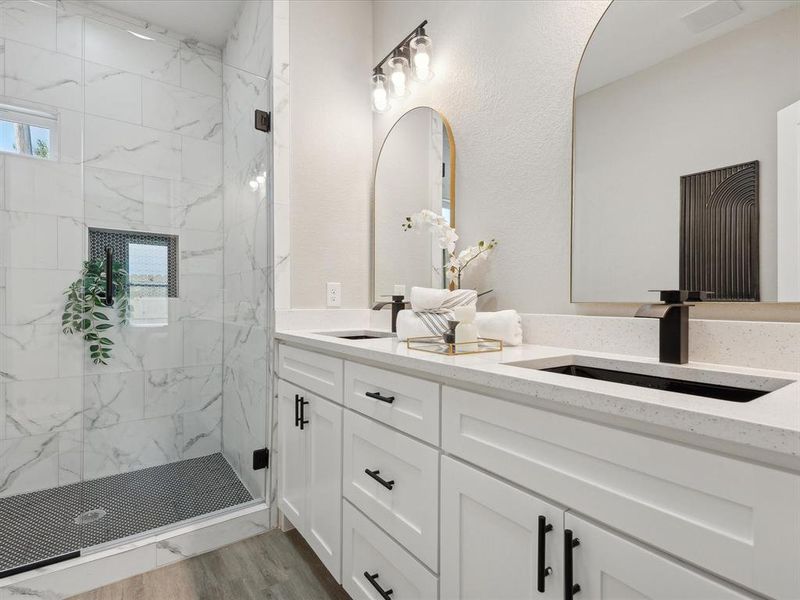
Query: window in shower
(28, 131)
(151, 261)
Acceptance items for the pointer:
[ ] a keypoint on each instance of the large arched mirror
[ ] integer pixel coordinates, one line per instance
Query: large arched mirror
(415, 171)
(686, 154)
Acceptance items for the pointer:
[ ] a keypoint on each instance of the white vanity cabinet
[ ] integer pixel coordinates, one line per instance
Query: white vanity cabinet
(730, 517)
(497, 541)
(394, 480)
(375, 566)
(453, 494)
(606, 566)
(310, 485)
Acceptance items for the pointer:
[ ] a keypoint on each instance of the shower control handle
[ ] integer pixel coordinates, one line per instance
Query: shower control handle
(109, 277)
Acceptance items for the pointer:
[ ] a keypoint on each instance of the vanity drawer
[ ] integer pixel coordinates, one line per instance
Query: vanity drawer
(367, 549)
(315, 372)
(729, 516)
(405, 505)
(407, 403)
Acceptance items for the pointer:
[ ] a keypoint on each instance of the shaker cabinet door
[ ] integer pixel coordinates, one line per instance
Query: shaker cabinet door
(609, 567)
(291, 455)
(491, 541)
(324, 509)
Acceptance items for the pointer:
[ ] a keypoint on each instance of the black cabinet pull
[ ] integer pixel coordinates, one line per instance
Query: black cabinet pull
(542, 571)
(296, 410)
(302, 417)
(385, 594)
(570, 589)
(109, 277)
(378, 396)
(376, 476)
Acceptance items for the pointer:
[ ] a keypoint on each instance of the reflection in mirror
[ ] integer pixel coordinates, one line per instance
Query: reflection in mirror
(415, 171)
(686, 162)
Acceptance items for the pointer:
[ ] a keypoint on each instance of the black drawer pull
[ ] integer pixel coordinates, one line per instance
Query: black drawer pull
(385, 594)
(378, 396)
(300, 412)
(570, 589)
(542, 571)
(376, 476)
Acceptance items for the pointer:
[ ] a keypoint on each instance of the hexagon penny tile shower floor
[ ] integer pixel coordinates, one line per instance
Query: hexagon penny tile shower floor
(59, 521)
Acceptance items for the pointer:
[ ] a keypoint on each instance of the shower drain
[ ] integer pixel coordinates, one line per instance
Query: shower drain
(90, 516)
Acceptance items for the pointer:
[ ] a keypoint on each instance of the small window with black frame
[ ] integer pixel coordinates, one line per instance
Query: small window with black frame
(28, 131)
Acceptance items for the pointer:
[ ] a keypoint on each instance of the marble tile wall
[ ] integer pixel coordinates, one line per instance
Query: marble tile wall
(246, 84)
(140, 148)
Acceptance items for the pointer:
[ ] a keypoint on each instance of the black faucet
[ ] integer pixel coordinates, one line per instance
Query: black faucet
(673, 324)
(397, 304)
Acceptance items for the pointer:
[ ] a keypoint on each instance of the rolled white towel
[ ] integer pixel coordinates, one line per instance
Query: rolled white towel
(409, 325)
(423, 298)
(440, 301)
(503, 325)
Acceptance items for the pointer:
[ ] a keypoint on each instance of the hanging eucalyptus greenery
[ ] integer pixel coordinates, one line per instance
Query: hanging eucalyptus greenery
(86, 312)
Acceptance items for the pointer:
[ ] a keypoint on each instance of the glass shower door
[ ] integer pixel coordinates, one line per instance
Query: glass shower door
(41, 366)
(176, 384)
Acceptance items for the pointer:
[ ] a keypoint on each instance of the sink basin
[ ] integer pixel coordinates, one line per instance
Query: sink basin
(358, 334)
(720, 385)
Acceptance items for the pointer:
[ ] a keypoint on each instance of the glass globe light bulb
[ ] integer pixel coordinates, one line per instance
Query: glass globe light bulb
(398, 66)
(380, 95)
(421, 48)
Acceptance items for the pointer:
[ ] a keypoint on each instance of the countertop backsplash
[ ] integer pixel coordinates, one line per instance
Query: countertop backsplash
(756, 344)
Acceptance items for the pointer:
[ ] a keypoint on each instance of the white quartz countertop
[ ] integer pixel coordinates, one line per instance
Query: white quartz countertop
(769, 423)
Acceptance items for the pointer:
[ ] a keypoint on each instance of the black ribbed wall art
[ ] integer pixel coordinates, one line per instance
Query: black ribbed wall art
(719, 233)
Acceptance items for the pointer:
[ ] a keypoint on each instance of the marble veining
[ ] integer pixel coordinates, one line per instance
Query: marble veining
(141, 147)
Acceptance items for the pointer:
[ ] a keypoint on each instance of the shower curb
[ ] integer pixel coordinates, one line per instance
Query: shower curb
(126, 559)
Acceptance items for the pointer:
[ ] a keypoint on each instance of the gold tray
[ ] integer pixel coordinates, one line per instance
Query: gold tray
(436, 345)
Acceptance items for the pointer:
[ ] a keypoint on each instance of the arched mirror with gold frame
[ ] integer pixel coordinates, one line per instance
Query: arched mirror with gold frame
(415, 171)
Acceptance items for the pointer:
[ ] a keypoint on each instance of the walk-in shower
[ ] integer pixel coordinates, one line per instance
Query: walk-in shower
(129, 150)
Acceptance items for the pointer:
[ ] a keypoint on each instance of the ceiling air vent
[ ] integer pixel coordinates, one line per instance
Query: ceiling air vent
(711, 15)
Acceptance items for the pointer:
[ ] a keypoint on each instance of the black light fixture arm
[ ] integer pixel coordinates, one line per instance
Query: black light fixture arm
(418, 30)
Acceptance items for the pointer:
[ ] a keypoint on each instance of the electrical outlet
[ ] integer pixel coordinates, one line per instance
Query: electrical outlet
(334, 294)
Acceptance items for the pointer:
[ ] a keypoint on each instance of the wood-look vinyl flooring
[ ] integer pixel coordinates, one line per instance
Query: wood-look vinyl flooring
(274, 565)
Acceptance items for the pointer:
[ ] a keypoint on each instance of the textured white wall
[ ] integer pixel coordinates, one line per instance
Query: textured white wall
(331, 146)
(504, 79)
(505, 75)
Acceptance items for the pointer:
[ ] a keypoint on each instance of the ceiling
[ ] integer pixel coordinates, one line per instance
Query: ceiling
(635, 35)
(207, 21)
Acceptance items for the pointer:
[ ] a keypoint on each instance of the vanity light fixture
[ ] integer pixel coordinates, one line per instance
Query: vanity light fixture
(411, 57)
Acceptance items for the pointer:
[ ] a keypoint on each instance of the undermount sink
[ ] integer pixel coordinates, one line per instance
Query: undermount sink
(720, 385)
(358, 334)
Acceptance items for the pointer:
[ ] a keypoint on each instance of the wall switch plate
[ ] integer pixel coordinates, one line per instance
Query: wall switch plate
(334, 294)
